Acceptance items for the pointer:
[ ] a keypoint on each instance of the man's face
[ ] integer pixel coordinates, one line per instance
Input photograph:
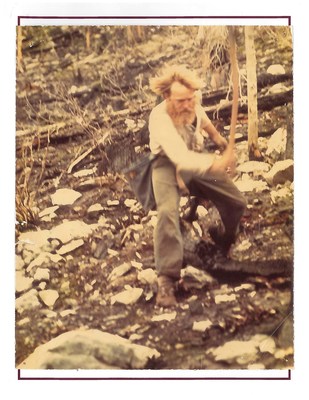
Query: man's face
(181, 104)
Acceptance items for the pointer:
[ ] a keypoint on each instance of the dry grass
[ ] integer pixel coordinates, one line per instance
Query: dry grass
(25, 198)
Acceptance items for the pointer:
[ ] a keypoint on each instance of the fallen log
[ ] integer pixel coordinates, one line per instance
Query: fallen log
(283, 267)
(40, 129)
(265, 103)
(40, 137)
(213, 97)
(265, 80)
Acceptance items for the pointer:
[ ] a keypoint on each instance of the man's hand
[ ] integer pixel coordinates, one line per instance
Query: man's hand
(225, 164)
(215, 136)
(221, 142)
(182, 186)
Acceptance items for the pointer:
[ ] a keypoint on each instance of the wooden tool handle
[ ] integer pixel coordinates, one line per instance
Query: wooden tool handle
(235, 84)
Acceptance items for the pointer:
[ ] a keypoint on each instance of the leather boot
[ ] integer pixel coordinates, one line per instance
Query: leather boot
(221, 239)
(166, 292)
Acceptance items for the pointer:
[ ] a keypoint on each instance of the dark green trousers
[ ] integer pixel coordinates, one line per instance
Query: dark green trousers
(168, 245)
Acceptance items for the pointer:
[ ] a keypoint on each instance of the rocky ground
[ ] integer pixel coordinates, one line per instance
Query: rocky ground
(84, 251)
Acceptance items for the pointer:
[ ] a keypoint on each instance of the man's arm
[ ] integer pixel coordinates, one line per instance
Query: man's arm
(163, 132)
(228, 160)
(214, 135)
(224, 163)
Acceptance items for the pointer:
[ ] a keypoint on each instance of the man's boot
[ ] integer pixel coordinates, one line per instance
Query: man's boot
(191, 214)
(166, 292)
(221, 239)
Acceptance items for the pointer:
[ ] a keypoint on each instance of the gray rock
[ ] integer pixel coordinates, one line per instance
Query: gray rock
(85, 172)
(244, 352)
(277, 144)
(128, 296)
(225, 298)
(42, 274)
(33, 241)
(44, 258)
(277, 195)
(266, 344)
(277, 88)
(276, 69)
(112, 203)
(27, 301)
(245, 287)
(48, 211)
(94, 208)
(65, 196)
(195, 278)
(236, 350)
(147, 276)
(201, 326)
(164, 317)
(19, 263)
(250, 185)
(22, 283)
(73, 245)
(119, 271)
(100, 250)
(70, 230)
(256, 167)
(89, 349)
(42, 285)
(49, 297)
(130, 203)
(280, 173)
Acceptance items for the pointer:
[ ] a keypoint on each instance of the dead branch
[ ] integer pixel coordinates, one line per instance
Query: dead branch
(86, 153)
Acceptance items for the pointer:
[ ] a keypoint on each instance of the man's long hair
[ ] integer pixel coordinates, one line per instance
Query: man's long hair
(161, 85)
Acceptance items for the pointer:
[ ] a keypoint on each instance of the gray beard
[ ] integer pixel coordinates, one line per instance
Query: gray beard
(181, 119)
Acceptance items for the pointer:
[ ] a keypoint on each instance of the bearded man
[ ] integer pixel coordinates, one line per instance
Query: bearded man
(176, 128)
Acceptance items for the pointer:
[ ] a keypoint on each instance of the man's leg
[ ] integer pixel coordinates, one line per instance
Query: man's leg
(229, 201)
(168, 245)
